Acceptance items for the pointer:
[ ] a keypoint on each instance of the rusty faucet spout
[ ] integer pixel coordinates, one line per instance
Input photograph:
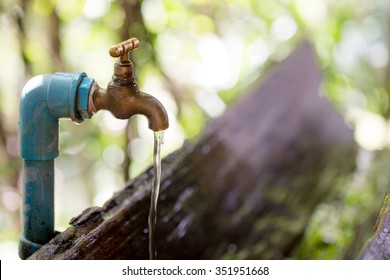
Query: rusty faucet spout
(122, 96)
(124, 102)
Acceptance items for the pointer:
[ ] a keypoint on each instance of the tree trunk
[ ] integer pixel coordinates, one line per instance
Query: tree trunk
(244, 189)
(378, 247)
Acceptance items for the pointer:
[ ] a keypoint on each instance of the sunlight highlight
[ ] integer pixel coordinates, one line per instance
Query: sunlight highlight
(94, 9)
(371, 130)
(283, 28)
(214, 68)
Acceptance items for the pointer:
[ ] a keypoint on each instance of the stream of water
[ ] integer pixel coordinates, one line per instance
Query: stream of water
(158, 141)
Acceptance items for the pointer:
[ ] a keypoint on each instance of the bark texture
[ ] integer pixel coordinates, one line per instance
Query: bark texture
(378, 247)
(244, 189)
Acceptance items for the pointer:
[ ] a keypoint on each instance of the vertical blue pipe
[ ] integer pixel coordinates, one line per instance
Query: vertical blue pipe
(38, 188)
(44, 100)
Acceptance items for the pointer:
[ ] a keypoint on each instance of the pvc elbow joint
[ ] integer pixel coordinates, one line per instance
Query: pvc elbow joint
(44, 100)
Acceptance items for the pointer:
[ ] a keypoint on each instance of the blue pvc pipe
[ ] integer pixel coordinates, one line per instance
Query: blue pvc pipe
(38, 200)
(44, 100)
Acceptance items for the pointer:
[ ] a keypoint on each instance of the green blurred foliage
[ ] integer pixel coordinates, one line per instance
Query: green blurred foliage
(197, 57)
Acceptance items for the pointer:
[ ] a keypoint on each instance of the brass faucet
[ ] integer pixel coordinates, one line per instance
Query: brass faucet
(122, 96)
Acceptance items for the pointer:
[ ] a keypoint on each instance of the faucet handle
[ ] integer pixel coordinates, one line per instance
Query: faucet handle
(122, 49)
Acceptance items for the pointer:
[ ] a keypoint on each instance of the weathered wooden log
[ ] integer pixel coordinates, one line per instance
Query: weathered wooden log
(244, 189)
(378, 247)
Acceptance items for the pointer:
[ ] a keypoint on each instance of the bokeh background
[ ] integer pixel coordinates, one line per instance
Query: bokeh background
(196, 57)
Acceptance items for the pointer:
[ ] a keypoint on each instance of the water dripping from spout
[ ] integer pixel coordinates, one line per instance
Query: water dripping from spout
(158, 141)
